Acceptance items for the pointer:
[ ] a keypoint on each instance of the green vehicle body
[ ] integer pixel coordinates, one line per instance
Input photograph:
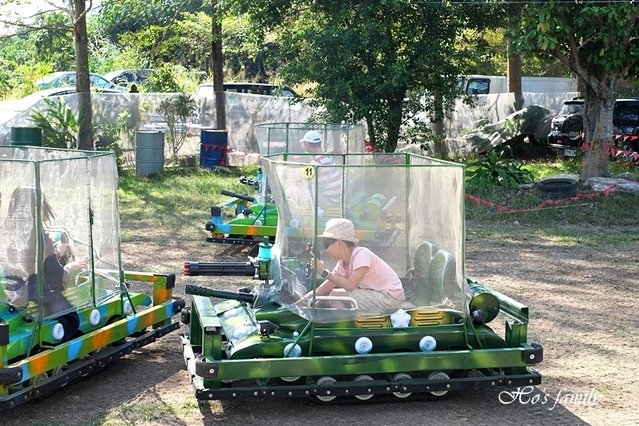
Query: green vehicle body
(262, 343)
(242, 219)
(52, 336)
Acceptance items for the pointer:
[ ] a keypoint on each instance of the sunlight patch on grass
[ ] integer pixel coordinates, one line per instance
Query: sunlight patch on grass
(151, 411)
(544, 169)
(172, 199)
(553, 235)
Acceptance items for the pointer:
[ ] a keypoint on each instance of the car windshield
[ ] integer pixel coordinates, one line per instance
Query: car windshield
(206, 89)
(127, 76)
(113, 74)
(478, 86)
(98, 81)
(50, 78)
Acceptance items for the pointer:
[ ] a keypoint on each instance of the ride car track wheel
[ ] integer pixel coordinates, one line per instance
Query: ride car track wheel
(40, 378)
(438, 375)
(398, 377)
(324, 381)
(364, 378)
(290, 379)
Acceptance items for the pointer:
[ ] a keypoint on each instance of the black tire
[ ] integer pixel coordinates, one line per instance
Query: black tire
(557, 188)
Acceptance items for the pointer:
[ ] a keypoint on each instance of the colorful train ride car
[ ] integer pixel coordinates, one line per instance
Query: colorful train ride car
(67, 308)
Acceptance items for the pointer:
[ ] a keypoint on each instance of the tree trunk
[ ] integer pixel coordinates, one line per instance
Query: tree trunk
(600, 103)
(514, 75)
(393, 123)
(437, 126)
(581, 87)
(370, 127)
(85, 125)
(218, 70)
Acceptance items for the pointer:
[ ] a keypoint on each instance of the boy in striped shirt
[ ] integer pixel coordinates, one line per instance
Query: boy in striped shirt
(329, 178)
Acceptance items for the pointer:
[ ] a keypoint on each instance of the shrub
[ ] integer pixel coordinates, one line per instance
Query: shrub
(176, 110)
(492, 169)
(59, 125)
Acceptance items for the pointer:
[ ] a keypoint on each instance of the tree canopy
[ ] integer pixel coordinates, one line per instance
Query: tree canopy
(364, 59)
(119, 17)
(381, 62)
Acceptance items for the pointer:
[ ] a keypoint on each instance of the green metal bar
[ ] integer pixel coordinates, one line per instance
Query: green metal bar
(369, 364)
(511, 307)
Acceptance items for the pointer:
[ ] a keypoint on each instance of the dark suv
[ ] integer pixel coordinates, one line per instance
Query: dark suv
(625, 122)
(566, 128)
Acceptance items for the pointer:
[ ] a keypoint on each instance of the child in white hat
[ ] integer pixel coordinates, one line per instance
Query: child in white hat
(359, 272)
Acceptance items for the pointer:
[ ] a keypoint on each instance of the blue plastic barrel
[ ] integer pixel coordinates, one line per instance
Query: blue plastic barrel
(213, 147)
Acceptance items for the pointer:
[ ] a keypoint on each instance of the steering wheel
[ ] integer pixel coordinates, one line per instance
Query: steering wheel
(83, 276)
(329, 299)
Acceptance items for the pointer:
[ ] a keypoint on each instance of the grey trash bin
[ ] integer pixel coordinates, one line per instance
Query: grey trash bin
(149, 152)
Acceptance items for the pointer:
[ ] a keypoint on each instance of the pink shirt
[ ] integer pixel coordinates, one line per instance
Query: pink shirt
(380, 276)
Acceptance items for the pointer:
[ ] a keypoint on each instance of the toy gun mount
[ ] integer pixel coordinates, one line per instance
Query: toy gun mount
(242, 295)
(257, 268)
(238, 196)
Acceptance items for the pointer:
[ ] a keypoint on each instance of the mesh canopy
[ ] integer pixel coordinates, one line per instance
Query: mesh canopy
(59, 226)
(405, 208)
(286, 137)
(276, 138)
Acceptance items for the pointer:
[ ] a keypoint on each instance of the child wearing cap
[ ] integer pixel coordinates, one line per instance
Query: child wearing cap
(359, 272)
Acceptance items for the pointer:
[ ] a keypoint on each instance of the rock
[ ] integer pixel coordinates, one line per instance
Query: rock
(599, 184)
(533, 121)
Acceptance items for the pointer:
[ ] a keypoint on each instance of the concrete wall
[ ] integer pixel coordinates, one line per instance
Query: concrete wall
(243, 112)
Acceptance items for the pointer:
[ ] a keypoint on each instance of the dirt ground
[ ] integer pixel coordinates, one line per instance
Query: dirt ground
(583, 311)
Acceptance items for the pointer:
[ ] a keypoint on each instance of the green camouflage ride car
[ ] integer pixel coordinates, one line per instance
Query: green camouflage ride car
(268, 341)
(245, 219)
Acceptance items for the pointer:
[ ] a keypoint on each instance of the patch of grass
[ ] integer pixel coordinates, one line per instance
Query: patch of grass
(619, 167)
(556, 234)
(149, 412)
(542, 169)
(178, 196)
(181, 196)
(525, 207)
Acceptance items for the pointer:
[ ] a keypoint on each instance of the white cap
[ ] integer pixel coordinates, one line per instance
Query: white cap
(312, 136)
